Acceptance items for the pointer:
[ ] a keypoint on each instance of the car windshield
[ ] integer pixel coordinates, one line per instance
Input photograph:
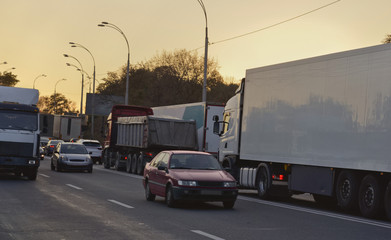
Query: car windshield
(91, 144)
(73, 149)
(194, 161)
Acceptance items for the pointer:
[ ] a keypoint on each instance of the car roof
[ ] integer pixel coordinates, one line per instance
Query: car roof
(87, 140)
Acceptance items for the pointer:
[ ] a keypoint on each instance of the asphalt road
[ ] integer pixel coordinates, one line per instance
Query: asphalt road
(111, 205)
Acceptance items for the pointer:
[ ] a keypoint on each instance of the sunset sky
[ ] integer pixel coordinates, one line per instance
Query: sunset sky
(35, 34)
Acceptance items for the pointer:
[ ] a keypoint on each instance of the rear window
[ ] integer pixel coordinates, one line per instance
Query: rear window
(91, 144)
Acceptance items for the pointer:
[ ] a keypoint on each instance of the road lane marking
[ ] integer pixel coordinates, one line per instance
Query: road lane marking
(119, 203)
(43, 175)
(207, 235)
(317, 212)
(73, 186)
(120, 173)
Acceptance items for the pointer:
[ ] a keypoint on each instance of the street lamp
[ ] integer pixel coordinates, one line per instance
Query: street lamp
(55, 96)
(73, 44)
(42, 75)
(206, 51)
(82, 82)
(110, 25)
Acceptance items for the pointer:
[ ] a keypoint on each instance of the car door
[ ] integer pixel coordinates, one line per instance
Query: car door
(162, 175)
(152, 174)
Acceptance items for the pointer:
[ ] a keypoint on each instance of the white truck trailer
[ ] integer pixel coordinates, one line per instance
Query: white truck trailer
(66, 127)
(19, 131)
(140, 138)
(202, 113)
(320, 125)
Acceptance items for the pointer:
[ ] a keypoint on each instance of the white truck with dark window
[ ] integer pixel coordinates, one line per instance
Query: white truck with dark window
(320, 125)
(19, 131)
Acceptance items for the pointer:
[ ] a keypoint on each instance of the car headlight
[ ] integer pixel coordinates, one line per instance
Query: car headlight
(64, 158)
(229, 184)
(187, 183)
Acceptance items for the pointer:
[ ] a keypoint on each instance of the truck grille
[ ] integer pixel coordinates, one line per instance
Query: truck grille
(15, 149)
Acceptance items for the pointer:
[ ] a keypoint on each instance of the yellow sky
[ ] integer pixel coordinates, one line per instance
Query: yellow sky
(35, 34)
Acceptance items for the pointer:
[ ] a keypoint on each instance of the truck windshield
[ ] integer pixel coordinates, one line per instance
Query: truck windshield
(18, 120)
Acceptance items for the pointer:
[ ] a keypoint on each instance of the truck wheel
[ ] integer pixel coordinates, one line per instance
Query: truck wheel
(140, 166)
(229, 165)
(148, 195)
(347, 190)
(370, 197)
(264, 180)
(117, 162)
(387, 200)
(129, 163)
(106, 160)
(134, 163)
(32, 174)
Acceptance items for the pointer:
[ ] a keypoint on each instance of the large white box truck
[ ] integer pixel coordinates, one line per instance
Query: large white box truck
(67, 127)
(202, 113)
(320, 125)
(19, 131)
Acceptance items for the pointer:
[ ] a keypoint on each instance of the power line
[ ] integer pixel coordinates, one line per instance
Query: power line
(273, 25)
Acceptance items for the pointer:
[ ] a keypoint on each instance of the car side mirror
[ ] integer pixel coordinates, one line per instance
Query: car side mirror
(162, 168)
(90, 153)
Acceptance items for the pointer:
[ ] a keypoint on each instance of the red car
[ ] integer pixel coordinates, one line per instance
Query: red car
(188, 175)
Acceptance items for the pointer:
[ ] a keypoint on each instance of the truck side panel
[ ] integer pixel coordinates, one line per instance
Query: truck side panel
(331, 111)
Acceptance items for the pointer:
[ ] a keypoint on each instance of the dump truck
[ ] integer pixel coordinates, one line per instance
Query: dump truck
(320, 125)
(140, 138)
(19, 131)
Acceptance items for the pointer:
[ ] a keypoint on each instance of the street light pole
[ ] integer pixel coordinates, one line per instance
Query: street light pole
(110, 25)
(73, 44)
(82, 82)
(55, 97)
(206, 51)
(42, 75)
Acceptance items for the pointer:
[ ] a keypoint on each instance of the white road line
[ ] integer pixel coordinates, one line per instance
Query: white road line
(207, 235)
(119, 173)
(317, 212)
(43, 175)
(73, 186)
(119, 203)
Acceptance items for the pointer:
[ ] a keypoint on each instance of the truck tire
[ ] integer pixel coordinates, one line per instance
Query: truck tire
(347, 190)
(140, 164)
(264, 180)
(117, 165)
(129, 163)
(134, 163)
(229, 165)
(32, 174)
(106, 160)
(387, 200)
(370, 196)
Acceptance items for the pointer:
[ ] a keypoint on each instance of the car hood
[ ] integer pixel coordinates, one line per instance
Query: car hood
(76, 156)
(201, 175)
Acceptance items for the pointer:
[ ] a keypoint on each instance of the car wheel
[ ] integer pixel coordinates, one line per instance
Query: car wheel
(148, 195)
(90, 170)
(52, 167)
(58, 168)
(170, 201)
(228, 204)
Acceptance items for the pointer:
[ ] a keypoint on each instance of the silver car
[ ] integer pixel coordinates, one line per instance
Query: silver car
(71, 156)
(94, 148)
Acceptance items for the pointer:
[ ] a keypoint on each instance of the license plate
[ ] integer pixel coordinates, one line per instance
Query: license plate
(211, 192)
